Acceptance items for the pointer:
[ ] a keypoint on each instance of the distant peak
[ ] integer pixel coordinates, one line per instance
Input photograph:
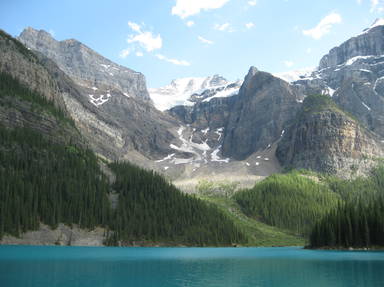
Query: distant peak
(30, 32)
(377, 22)
(252, 71)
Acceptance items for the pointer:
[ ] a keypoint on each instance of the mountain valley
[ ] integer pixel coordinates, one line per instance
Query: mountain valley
(327, 122)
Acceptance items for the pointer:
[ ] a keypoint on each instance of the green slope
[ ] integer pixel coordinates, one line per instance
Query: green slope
(290, 201)
(257, 232)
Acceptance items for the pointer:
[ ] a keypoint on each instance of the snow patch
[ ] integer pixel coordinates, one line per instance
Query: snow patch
(179, 92)
(257, 163)
(224, 94)
(219, 132)
(366, 106)
(99, 100)
(293, 76)
(205, 131)
(216, 158)
(376, 23)
(354, 59)
(166, 158)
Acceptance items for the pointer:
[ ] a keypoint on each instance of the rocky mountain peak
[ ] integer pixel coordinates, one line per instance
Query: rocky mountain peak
(368, 43)
(85, 66)
(251, 72)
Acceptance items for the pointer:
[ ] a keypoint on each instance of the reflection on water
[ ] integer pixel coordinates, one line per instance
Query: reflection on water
(60, 266)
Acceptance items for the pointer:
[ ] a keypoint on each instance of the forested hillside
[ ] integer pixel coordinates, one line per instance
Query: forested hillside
(151, 208)
(46, 180)
(291, 201)
(359, 220)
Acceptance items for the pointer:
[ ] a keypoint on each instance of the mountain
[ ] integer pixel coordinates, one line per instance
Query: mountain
(109, 103)
(86, 67)
(268, 106)
(188, 91)
(352, 74)
(264, 106)
(326, 139)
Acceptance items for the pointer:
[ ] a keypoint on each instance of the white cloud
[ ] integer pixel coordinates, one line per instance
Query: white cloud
(324, 26)
(139, 54)
(186, 8)
(377, 6)
(252, 3)
(134, 26)
(145, 39)
(288, 63)
(173, 61)
(223, 27)
(358, 1)
(190, 23)
(250, 25)
(124, 53)
(308, 51)
(205, 41)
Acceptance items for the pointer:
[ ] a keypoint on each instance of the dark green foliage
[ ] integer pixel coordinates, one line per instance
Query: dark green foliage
(359, 222)
(316, 103)
(152, 209)
(11, 88)
(41, 181)
(14, 43)
(291, 201)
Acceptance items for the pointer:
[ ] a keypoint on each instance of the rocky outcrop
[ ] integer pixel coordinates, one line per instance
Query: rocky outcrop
(62, 235)
(369, 43)
(28, 69)
(326, 139)
(353, 74)
(25, 66)
(85, 66)
(109, 103)
(264, 106)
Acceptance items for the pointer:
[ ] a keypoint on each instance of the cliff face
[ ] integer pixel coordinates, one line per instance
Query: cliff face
(109, 103)
(353, 74)
(265, 104)
(326, 139)
(27, 69)
(369, 43)
(85, 66)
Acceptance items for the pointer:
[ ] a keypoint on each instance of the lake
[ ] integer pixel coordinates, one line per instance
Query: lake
(44, 266)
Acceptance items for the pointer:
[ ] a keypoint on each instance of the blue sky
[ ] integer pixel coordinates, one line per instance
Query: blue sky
(168, 39)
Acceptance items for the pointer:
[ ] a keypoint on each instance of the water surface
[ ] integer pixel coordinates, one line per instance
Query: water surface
(31, 266)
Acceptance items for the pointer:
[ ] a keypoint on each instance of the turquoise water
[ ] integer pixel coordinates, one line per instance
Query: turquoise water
(31, 266)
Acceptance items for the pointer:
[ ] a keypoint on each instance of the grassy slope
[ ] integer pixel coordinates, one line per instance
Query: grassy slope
(258, 233)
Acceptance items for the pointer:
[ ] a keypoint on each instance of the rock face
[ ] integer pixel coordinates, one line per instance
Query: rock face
(109, 103)
(325, 139)
(264, 106)
(369, 43)
(28, 68)
(353, 74)
(85, 66)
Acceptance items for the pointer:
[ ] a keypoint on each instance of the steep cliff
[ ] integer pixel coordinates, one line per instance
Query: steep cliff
(109, 103)
(326, 139)
(264, 106)
(85, 66)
